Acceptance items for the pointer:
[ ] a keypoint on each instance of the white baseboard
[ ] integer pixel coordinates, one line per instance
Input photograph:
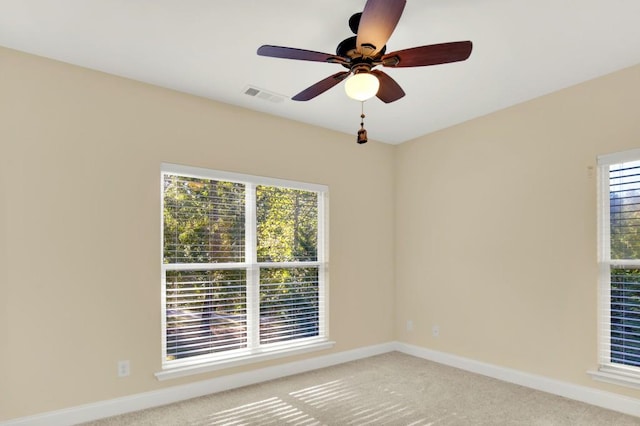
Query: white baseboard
(591, 396)
(114, 407)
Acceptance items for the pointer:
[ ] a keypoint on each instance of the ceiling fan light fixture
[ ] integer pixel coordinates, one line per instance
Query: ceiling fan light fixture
(362, 86)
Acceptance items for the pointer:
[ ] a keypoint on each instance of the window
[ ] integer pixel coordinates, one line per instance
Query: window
(243, 267)
(619, 259)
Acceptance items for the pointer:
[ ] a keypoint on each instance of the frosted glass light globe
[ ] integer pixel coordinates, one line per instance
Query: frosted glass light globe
(362, 86)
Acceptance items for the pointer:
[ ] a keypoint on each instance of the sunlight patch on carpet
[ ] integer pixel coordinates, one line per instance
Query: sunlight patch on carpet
(269, 411)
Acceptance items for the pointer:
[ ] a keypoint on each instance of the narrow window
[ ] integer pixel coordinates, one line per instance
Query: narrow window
(619, 258)
(243, 266)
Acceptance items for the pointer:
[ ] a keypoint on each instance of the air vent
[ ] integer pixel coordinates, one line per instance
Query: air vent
(264, 94)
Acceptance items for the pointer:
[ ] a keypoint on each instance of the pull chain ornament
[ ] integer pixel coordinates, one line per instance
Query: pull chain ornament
(362, 133)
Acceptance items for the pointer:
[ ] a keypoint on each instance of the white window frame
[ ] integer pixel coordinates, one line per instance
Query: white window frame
(254, 352)
(609, 371)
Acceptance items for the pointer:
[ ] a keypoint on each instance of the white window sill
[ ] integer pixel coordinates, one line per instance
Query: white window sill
(617, 376)
(173, 372)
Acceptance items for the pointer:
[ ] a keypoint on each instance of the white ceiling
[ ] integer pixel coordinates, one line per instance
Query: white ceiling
(522, 50)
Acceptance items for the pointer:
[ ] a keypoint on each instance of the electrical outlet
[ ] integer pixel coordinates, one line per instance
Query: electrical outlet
(409, 325)
(435, 330)
(124, 368)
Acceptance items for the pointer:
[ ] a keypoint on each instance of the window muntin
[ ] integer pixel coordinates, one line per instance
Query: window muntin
(243, 265)
(619, 337)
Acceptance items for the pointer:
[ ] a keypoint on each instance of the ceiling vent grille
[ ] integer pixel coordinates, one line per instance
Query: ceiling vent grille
(263, 94)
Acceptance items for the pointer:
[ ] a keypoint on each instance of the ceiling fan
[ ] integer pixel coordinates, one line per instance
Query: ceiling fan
(366, 50)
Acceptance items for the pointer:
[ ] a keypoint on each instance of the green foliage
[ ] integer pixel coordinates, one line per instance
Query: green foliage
(203, 220)
(289, 299)
(287, 222)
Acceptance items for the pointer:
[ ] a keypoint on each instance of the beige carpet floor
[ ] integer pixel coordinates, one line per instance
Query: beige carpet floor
(390, 389)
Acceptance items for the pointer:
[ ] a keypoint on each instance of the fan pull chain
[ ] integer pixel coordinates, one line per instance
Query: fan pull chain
(362, 133)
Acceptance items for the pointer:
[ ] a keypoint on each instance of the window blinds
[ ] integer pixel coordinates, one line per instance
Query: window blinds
(242, 265)
(624, 235)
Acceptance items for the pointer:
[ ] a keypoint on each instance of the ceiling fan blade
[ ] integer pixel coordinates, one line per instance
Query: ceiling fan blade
(429, 55)
(390, 90)
(377, 22)
(321, 86)
(300, 54)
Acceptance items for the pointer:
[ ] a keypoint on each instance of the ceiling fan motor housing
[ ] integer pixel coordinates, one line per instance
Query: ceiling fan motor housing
(348, 49)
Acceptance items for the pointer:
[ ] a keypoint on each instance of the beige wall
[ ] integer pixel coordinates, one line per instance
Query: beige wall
(81, 154)
(494, 235)
(496, 230)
